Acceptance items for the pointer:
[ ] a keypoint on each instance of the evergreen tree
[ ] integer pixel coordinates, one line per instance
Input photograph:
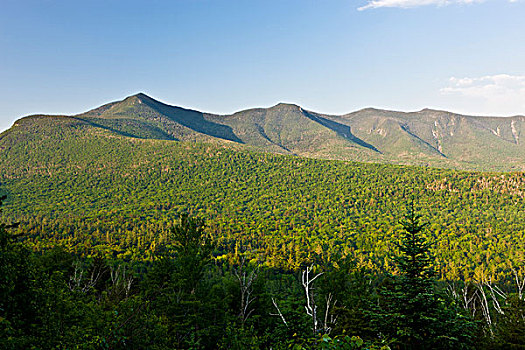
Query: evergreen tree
(414, 314)
(175, 284)
(414, 293)
(17, 309)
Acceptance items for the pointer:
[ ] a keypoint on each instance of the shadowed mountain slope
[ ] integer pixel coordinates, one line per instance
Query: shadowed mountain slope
(427, 138)
(147, 118)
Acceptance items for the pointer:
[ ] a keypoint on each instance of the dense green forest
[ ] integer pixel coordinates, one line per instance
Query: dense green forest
(183, 298)
(133, 243)
(91, 191)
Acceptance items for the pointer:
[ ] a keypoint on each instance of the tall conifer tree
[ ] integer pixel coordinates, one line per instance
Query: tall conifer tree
(413, 297)
(414, 314)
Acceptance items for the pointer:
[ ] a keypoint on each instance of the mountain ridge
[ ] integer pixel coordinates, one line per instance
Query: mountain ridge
(427, 137)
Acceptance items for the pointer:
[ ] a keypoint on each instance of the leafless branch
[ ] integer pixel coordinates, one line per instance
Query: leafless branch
(519, 284)
(485, 306)
(310, 307)
(246, 281)
(121, 281)
(77, 282)
(329, 318)
(279, 313)
(495, 291)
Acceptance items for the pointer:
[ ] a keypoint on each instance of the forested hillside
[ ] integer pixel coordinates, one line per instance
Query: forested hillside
(424, 138)
(93, 190)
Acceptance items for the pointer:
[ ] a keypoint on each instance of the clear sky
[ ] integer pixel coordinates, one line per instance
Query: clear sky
(221, 56)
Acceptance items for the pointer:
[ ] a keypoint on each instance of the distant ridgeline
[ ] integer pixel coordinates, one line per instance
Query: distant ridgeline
(113, 179)
(426, 138)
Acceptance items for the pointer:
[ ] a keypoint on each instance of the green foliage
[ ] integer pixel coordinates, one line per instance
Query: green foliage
(53, 299)
(355, 290)
(412, 313)
(175, 284)
(413, 299)
(239, 338)
(16, 299)
(511, 328)
(347, 343)
(288, 210)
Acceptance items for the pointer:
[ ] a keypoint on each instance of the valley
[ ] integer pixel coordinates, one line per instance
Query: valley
(128, 207)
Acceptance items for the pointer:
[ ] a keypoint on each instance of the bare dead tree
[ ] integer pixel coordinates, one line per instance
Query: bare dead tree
(79, 282)
(310, 307)
(486, 295)
(452, 290)
(246, 280)
(484, 306)
(520, 283)
(469, 299)
(121, 281)
(469, 302)
(496, 292)
(329, 318)
(466, 297)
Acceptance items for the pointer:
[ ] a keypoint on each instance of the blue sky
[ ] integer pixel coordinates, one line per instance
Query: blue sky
(220, 56)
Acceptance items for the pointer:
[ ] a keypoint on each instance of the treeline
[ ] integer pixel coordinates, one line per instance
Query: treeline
(185, 298)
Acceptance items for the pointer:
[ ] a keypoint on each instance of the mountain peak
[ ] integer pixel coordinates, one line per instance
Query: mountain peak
(140, 97)
(283, 105)
(371, 110)
(431, 110)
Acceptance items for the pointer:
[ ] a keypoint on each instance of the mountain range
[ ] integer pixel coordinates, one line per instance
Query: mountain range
(425, 138)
